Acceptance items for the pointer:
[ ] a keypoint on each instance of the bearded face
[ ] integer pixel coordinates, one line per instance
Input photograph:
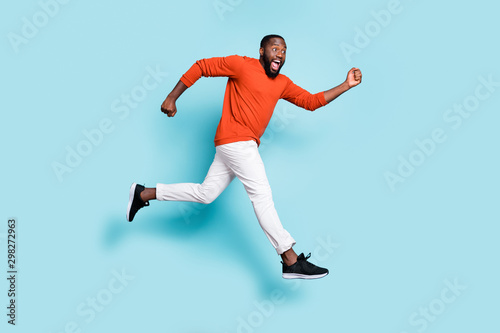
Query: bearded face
(273, 56)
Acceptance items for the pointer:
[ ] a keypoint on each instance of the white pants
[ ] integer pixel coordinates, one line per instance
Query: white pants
(242, 160)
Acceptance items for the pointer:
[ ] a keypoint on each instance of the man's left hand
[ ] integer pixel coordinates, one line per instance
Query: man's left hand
(353, 77)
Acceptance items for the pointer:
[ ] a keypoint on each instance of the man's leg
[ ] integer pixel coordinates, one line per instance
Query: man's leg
(244, 160)
(289, 257)
(217, 179)
(219, 176)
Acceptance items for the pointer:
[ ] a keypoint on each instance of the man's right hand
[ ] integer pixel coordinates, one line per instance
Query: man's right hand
(168, 106)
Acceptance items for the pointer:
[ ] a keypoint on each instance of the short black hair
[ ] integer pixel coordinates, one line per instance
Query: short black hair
(266, 39)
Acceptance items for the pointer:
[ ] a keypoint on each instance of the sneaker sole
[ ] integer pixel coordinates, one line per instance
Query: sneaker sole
(302, 276)
(130, 200)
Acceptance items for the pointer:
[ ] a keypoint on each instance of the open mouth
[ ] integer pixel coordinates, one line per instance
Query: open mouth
(275, 65)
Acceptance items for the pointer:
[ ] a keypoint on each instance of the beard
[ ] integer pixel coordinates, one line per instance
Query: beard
(267, 67)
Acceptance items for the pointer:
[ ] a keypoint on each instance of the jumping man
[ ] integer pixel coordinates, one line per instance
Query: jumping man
(253, 88)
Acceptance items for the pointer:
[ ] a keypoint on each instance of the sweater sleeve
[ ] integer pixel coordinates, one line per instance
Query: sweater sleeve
(301, 97)
(211, 67)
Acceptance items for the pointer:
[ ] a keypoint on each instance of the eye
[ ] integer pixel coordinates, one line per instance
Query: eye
(274, 49)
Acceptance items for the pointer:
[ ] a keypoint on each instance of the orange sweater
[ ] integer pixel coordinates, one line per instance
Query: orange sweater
(250, 96)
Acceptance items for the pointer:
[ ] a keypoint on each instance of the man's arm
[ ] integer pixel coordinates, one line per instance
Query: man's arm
(168, 106)
(218, 66)
(352, 80)
(301, 97)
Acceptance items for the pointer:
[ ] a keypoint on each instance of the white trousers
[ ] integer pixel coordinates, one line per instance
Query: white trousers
(242, 160)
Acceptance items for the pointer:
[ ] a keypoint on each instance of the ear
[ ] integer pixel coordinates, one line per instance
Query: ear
(261, 51)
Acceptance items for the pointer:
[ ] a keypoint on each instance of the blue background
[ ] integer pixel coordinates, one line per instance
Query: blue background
(392, 252)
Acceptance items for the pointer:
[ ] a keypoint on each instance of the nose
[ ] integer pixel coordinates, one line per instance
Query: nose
(279, 55)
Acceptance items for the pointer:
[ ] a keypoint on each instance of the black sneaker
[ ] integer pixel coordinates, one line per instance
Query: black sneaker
(134, 201)
(303, 269)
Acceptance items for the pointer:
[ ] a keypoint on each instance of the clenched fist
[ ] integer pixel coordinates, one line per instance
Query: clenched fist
(353, 77)
(168, 107)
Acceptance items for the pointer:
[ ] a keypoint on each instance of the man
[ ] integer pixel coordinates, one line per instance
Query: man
(253, 89)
